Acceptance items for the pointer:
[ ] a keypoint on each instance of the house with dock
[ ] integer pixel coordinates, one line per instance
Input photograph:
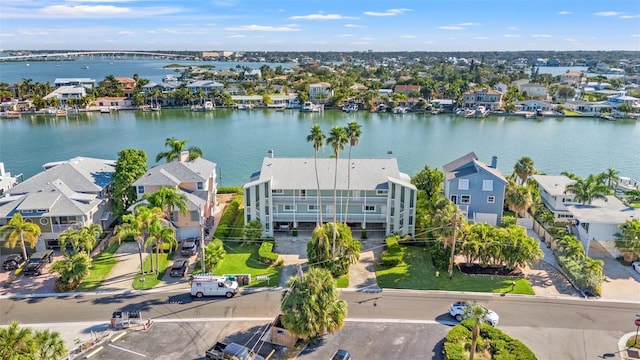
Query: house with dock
(284, 195)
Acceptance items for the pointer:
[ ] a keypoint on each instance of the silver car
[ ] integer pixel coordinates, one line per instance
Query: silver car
(459, 311)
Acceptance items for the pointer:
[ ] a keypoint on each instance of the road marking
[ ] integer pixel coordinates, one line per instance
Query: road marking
(119, 336)
(94, 352)
(127, 350)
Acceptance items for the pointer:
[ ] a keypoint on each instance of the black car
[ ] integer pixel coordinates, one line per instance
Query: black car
(190, 247)
(33, 268)
(37, 262)
(12, 262)
(179, 268)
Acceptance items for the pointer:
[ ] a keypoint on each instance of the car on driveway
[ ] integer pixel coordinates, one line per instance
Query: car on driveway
(636, 266)
(179, 268)
(341, 355)
(190, 247)
(37, 262)
(12, 262)
(459, 310)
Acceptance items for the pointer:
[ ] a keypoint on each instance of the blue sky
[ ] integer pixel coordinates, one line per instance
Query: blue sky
(310, 25)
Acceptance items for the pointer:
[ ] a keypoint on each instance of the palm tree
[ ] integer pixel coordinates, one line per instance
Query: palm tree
(138, 225)
(83, 239)
(353, 131)
(477, 314)
(72, 269)
(158, 237)
(50, 345)
(19, 230)
(317, 137)
(337, 138)
(518, 198)
(524, 168)
(16, 343)
(611, 178)
(176, 147)
(587, 190)
(167, 199)
(447, 220)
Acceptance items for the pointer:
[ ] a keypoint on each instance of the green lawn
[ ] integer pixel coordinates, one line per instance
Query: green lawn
(148, 280)
(244, 260)
(417, 272)
(100, 268)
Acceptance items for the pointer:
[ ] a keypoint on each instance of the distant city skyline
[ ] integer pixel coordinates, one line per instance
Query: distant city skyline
(312, 25)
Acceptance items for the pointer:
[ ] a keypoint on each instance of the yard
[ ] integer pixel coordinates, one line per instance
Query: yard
(418, 272)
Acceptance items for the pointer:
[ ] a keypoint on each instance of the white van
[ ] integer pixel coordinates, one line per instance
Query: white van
(212, 285)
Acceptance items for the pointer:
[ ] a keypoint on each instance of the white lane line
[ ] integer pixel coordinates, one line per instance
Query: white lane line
(127, 350)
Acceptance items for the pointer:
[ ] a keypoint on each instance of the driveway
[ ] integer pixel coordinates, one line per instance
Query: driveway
(620, 282)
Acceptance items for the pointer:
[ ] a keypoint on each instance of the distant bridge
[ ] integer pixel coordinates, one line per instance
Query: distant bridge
(91, 53)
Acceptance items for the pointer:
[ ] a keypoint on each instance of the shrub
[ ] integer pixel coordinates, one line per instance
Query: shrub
(389, 259)
(363, 234)
(266, 254)
(500, 345)
(228, 219)
(392, 244)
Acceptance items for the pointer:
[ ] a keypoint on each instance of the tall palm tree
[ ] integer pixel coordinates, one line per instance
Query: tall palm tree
(518, 198)
(168, 199)
(160, 235)
(83, 239)
(138, 225)
(524, 168)
(337, 138)
(20, 230)
(50, 345)
(611, 178)
(477, 314)
(587, 190)
(447, 221)
(353, 131)
(16, 343)
(72, 269)
(175, 148)
(318, 138)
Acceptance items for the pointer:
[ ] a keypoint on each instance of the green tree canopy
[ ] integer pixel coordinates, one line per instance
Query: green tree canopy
(131, 165)
(19, 231)
(175, 148)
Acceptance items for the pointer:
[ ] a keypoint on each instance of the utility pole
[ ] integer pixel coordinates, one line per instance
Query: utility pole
(202, 245)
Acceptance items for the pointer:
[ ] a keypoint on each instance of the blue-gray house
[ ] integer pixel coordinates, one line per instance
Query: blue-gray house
(476, 188)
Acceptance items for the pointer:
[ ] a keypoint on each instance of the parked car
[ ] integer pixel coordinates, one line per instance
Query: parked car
(37, 262)
(190, 247)
(459, 311)
(179, 268)
(636, 266)
(341, 355)
(13, 262)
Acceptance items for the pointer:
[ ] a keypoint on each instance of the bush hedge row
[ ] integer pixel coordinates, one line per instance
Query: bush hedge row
(393, 255)
(266, 254)
(500, 345)
(228, 218)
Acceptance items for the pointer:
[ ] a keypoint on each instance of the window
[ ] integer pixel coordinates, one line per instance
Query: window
(288, 207)
(487, 185)
(465, 199)
(491, 199)
(140, 189)
(303, 194)
(382, 192)
(463, 184)
(199, 185)
(277, 191)
(369, 208)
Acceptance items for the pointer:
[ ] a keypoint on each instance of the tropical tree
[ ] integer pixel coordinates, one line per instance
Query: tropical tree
(587, 190)
(138, 225)
(252, 231)
(628, 239)
(81, 240)
(72, 269)
(477, 314)
(19, 231)
(50, 345)
(131, 165)
(337, 138)
(353, 132)
(318, 138)
(518, 198)
(611, 178)
(16, 343)
(214, 253)
(311, 307)
(447, 221)
(168, 199)
(570, 175)
(632, 196)
(159, 236)
(175, 148)
(337, 259)
(524, 168)
(430, 181)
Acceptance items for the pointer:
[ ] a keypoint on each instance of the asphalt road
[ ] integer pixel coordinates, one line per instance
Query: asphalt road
(554, 328)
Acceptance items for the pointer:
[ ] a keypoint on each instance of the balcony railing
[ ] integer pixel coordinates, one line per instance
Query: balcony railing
(282, 199)
(312, 217)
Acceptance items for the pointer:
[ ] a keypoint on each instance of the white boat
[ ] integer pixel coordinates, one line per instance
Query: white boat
(350, 107)
(156, 107)
(84, 67)
(478, 112)
(311, 107)
(399, 110)
(208, 105)
(10, 114)
(470, 113)
(55, 112)
(381, 108)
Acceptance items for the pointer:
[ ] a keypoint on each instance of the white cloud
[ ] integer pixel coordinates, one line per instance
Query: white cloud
(84, 10)
(513, 28)
(360, 43)
(224, 3)
(541, 35)
(33, 32)
(450, 27)
(345, 35)
(428, 42)
(635, 35)
(353, 26)
(237, 36)
(261, 28)
(6, 35)
(571, 40)
(629, 16)
(481, 38)
(511, 35)
(390, 12)
(367, 39)
(126, 32)
(321, 17)
(564, 12)
(607, 13)
(468, 24)
(408, 36)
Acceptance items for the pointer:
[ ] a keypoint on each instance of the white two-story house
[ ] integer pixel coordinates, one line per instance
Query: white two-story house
(554, 195)
(284, 195)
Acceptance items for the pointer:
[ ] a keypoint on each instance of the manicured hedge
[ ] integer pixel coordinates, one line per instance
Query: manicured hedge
(393, 255)
(500, 345)
(228, 219)
(266, 254)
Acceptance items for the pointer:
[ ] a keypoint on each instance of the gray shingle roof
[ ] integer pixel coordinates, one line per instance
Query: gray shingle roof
(467, 165)
(176, 172)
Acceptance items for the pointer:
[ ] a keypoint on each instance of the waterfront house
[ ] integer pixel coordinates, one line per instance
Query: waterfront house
(320, 92)
(7, 181)
(573, 78)
(554, 196)
(67, 194)
(109, 102)
(64, 93)
(538, 91)
(534, 105)
(489, 99)
(600, 220)
(408, 90)
(476, 188)
(206, 86)
(164, 87)
(284, 195)
(84, 82)
(196, 179)
(128, 85)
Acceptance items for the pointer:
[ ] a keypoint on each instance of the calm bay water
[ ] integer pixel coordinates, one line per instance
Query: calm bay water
(238, 140)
